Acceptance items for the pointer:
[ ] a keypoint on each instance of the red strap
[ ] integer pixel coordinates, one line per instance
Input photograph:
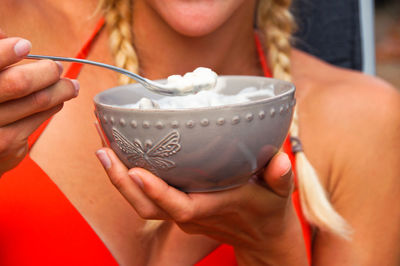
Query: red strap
(261, 56)
(287, 147)
(224, 255)
(305, 226)
(75, 68)
(36, 134)
(72, 73)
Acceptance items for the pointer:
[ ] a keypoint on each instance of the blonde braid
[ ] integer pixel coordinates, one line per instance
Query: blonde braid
(276, 23)
(117, 14)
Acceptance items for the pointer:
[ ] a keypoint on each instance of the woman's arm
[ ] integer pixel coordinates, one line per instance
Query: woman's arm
(364, 180)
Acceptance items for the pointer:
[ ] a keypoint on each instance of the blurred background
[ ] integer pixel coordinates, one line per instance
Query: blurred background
(356, 34)
(387, 40)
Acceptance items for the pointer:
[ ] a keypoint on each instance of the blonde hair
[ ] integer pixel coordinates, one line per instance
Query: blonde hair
(118, 14)
(276, 24)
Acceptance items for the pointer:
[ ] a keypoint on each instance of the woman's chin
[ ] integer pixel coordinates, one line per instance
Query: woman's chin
(193, 29)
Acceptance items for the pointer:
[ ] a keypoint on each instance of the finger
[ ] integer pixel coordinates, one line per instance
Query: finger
(278, 175)
(22, 80)
(38, 101)
(183, 207)
(118, 174)
(13, 50)
(175, 203)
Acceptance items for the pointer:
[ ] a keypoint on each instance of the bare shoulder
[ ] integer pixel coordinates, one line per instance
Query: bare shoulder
(355, 116)
(350, 126)
(349, 90)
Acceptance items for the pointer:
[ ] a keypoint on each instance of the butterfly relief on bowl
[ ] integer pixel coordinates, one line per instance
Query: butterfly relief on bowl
(148, 156)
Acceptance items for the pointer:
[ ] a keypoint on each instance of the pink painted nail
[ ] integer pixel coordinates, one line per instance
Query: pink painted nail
(60, 67)
(22, 47)
(285, 161)
(76, 86)
(104, 159)
(136, 178)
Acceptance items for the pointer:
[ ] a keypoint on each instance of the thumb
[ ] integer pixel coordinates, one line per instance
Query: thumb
(278, 175)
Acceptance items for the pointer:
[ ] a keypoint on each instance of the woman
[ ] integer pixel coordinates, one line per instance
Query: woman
(348, 124)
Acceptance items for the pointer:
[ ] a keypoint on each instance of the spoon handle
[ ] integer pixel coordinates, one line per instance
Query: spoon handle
(84, 61)
(150, 85)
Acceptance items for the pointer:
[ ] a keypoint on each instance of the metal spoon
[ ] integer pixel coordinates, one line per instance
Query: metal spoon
(150, 85)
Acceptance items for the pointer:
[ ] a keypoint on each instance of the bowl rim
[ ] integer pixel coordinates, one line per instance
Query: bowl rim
(290, 91)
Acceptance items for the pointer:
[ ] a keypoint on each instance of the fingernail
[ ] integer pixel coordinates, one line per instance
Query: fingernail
(285, 161)
(76, 86)
(287, 175)
(22, 47)
(104, 159)
(60, 67)
(136, 178)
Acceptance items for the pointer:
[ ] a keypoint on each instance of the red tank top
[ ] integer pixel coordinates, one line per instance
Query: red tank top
(39, 226)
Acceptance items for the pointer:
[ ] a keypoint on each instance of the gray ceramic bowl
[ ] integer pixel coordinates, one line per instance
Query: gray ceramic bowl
(202, 149)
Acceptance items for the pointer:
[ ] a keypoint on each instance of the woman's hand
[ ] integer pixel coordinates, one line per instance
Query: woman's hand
(257, 218)
(29, 95)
